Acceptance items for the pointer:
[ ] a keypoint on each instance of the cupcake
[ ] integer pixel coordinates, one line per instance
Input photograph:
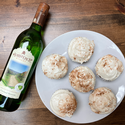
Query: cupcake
(82, 79)
(63, 103)
(80, 49)
(109, 67)
(102, 101)
(55, 66)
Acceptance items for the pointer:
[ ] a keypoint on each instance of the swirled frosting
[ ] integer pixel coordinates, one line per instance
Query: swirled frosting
(63, 103)
(82, 79)
(109, 67)
(102, 101)
(80, 49)
(55, 66)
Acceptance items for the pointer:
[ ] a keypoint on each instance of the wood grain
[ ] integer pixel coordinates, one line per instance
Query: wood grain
(64, 16)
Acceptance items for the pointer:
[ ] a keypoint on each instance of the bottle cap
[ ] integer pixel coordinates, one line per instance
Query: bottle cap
(41, 14)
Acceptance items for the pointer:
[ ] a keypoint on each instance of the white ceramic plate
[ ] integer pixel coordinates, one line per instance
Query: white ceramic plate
(46, 87)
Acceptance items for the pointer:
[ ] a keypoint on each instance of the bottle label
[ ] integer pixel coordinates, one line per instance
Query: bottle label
(16, 72)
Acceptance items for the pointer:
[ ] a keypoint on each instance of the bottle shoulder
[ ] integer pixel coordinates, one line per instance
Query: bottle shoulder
(32, 33)
(31, 40)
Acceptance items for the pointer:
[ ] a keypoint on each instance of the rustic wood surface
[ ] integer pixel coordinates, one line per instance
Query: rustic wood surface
(65, 15)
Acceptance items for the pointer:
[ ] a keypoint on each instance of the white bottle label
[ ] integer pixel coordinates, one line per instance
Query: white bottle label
(16, 72)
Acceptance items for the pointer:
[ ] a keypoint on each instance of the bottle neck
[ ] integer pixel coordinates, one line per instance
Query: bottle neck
(36, 27)
(40, 16)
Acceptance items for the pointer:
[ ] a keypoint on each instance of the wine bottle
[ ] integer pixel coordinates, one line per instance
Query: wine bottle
(22, 62)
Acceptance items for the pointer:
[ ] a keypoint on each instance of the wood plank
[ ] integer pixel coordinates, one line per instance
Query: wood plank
(95, 23)
(43, 116)
(63, 9)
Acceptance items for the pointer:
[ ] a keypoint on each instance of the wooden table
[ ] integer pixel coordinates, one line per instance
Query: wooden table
(65, 15)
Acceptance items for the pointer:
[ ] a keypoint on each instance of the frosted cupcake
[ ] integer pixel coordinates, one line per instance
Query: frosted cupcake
(109, 67)
(63, 103)
(102, 101)
(82, 79)
(80, 49)
(55, 66)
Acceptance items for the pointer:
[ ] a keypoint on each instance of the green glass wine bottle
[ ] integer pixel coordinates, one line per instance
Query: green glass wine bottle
(22, 62)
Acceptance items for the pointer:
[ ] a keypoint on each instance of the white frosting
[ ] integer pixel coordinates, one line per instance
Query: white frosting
(102, 101)
(55, 66)
(63, 103)
(81, 49)
(109, 67)
(82, 79)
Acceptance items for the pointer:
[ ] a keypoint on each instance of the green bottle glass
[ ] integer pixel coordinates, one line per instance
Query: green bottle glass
(22, 62)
